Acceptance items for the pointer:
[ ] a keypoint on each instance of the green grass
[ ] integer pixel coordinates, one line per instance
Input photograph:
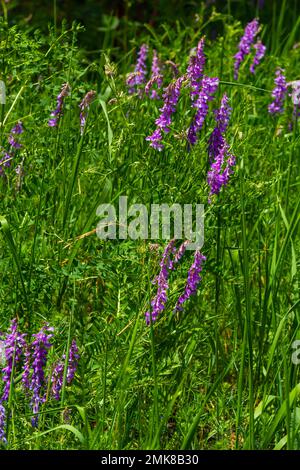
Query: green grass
(219, 374)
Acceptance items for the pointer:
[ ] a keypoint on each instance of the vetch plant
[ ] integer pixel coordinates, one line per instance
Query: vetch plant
(32, 360)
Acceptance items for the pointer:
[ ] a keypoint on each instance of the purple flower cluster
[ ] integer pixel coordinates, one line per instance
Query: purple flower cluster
(84, 107)
(208, 89)
(14, 143)
(278, 93)
(245, 44)
(40, 347)
(138, 77)
(159, 301)
(193, 280)
(14, 345)
(156, 77)
(195, 70)
(57, 113)
(58, 372)
(163, 122)
(167, 265)
(221, 159)
(2, 424)
(32, 358)
(260, 52)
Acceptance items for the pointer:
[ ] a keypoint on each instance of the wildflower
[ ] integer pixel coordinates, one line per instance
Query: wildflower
(2, 424)
(156, 77)
(16, 130)
(222, 116)
(260, 52)
(246, 41)
(155, 140)
(163, 122)
(181, 250)
(26, 369)
(84, 107)
(40, 348)
(209, 87)
(159, 301)
(193, 280)
(5, 162)
(14, 347)
(138, 77)
(73, 361)
(58, 373)
(278, 93)
(57, 113)
(218, 176)
(195, 70)
(221, 159)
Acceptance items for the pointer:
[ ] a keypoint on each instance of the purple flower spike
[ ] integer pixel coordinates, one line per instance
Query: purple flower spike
(222, 116)
(195, 70)
(260, 52)
(57, 113)
(163, 122)
(155, 140)
(58, 373)
(245, 44)
(2, 424)
(138, 77)
(278, 93)
(221, 160)
(156, 77)
(16, 130)
(14, 347)
(193, 280)
(181, 251)
(40, 347)
(73, 362)
(171, 97)
(84, 107)
(209, 87)
(159, 301)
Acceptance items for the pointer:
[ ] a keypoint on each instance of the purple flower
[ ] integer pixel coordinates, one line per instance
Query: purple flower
(58, 372)
(155, 140)
(209, 87)
(222, 116)
(84, 107)
(218, 175)
(72, 362)
(246, 41)
(193, 280)
(195, 69)
(57, 380)
(159, 301)
(2, 424)
(40, 347)
(221, 160)
(181, 250)
(156, 77)
(16, 130)
(5, 162)
(14, 347)
(57, 113)
(163, 122)
(138, 77)
(260, 52)
(278, 93)
(171, 97)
